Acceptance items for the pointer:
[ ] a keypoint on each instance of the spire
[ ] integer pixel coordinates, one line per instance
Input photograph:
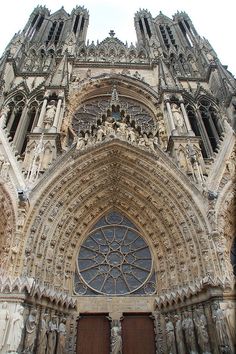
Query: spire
(60, 76)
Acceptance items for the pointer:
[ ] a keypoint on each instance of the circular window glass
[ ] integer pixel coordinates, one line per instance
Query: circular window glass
(114, 259)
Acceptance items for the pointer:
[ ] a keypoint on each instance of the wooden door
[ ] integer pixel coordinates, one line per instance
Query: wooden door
(93, 335)
(138, 334)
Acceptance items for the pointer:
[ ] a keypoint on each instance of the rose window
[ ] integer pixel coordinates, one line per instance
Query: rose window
(114, 259)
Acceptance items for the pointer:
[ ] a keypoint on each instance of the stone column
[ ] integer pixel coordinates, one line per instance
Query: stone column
(54, 128)
(171, 119)
(39, 126)
(186, 120)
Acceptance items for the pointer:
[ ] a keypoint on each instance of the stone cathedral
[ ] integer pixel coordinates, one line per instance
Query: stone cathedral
(117, 182)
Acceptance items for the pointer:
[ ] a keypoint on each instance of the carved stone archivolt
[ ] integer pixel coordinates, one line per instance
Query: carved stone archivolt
(8, 245)
(115, 176)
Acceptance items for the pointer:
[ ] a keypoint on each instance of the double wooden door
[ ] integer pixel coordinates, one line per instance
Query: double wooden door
(137, 334)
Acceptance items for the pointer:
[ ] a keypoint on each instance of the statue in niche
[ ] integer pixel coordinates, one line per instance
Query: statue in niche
(201, 329)
(116, 339)
(170, 337)
(220, 325)
(178, 118)
(30, 326)
(47, 63)
(61, 337)
(188, 328)
(193, 154)
(52, 336)
(50, 114)
(4, 323)
(28, 63)
(179, 335)
(15, 331)
(42, 342)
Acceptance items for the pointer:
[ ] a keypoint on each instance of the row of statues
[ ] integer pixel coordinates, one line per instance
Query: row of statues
(122, 130)
(189, 332)
(47, 336)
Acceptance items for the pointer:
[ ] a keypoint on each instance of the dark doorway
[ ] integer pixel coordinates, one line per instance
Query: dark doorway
(93, 335)
(138, 334)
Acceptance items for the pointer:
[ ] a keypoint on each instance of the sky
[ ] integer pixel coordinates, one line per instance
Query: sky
(214, 20)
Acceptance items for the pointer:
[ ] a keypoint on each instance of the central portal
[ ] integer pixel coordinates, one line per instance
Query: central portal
(94, 335)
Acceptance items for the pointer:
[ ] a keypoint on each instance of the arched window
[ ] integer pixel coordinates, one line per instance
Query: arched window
(114, 259)
(196, 127)
(211, 122)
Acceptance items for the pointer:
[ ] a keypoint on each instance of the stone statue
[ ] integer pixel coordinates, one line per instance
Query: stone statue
(52, 336)
(5, 169)
(179, 335)
(109, 126)
(61, 337)
(4, 323)
(220, 325)
(50, 114)
(170, 337)
(188, 328)
(30, 326)
(42, 342)
(178, 117)
(15, 331)
(80, 142)
(131, 134)
(122, 128)
(230, 320)
(116, 340)
(201, 329)
(100, 134)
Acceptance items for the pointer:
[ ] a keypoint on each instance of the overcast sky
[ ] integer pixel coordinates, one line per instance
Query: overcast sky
(215, 20)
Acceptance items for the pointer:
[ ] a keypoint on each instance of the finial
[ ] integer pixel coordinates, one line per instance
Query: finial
(112, 33)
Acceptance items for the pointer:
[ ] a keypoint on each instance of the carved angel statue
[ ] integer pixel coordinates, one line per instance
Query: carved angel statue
(178, 117)
(50, 114)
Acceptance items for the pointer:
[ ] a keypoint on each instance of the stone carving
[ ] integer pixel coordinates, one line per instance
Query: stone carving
(42, 341)
(52, 335)
(170, 337)
(201, 330)
(4, 168)
(50, 114)
(178, 118)
(194, 155)
(4, 323)
(116, 340)
(30, 326)
(61, 337)
(220, 326)
(230, 320)
(15, 330)
(188, 328)
(179, 335)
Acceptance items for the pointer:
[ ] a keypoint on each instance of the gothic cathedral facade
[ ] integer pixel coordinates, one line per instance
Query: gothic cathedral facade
(117, 182)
